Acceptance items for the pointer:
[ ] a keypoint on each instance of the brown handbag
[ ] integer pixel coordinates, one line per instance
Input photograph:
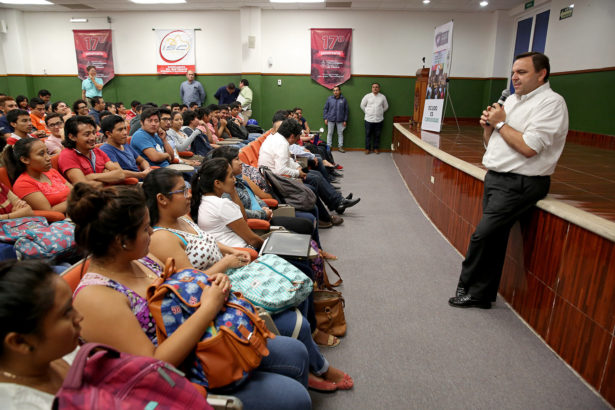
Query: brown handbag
(224, 357)
(329, 305)
(329, 311)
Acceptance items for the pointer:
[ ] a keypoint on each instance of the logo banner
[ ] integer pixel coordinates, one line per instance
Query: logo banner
(331, 56)
(175, 51)
(93, 47)
(438, 73)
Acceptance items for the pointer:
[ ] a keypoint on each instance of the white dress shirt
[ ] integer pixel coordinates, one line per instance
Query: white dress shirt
(542, 117)
(374, 106)
(275, 155)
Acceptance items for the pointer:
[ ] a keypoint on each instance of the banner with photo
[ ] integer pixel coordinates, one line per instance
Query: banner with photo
(438, 73)
(331, 56)
(175, 51)
(93, 47)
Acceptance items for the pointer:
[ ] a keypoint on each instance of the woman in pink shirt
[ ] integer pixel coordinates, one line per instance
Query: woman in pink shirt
(35, 181)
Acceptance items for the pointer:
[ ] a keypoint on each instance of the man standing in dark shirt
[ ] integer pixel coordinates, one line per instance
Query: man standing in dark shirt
(227, 94)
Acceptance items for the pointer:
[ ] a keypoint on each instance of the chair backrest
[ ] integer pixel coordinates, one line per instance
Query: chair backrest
(4, 178)
(243, 157)
(73, 274)
(54, 162)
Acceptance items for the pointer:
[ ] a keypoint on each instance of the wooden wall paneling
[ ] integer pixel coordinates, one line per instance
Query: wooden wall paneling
(579, 341)
(607, 387)
(544, 240)
(587, 275)
(533, 301)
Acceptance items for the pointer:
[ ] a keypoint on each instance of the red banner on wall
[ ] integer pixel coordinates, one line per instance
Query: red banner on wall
(331, 56)
(93, 47)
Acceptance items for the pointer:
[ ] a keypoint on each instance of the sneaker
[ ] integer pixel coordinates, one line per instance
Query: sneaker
(341, 149)
(338, 166)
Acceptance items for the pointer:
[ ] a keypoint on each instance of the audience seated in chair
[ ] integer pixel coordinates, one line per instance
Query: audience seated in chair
(35, 181)
(39, 331)
(113, 224)
(22, 125)
(81, 160)
(148, 144)
(199, 145)
(11, 206)
(37, 115)
(55, 123)
(165, 127)
(7, 104)
(176, 236)
(223, 218)
(114, 129)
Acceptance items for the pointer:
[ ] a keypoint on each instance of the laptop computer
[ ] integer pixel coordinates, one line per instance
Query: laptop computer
(287, 244)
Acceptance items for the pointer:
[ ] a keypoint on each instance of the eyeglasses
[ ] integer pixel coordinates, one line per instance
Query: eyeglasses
(165, 119)
(184, 191)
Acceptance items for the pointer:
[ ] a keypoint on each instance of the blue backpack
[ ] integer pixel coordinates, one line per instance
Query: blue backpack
(233, 344)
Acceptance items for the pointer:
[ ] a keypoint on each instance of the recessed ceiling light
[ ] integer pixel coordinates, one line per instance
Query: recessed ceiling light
(296, 1)
(158, 1)
(78, 20)
(426, 1)
(27, 2)
(571, 6)
(484, 3)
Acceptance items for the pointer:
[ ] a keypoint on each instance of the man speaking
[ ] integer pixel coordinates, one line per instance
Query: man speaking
(524, 138)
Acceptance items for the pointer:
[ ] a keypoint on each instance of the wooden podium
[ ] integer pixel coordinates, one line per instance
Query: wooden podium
(420, 90)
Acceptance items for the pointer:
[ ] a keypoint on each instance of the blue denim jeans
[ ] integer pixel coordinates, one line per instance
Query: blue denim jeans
(340, 133)
(286, 321)
(372, 135)
(280, 381)
(323, 189)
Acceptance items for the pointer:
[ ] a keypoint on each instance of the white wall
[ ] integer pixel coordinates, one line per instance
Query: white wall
(385, 43)
(584, 40)
(388, 43)
(134, 42)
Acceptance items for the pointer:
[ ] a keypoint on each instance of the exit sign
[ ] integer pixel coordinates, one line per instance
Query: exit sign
(529, 4)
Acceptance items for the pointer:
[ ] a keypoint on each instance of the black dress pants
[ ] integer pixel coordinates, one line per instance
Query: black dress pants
(506, 197)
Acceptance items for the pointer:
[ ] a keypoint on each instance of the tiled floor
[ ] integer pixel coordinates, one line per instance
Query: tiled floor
(584, 177)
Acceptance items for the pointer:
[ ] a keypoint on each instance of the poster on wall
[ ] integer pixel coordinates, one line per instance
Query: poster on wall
(93, 47)
(331, 56)
(175, 51)
(438, 73)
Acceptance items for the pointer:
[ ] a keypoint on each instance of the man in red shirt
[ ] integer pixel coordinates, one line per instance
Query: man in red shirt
(21, 122)
(81, 160)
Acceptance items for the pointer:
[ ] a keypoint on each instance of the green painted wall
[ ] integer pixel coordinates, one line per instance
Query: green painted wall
(469, 96)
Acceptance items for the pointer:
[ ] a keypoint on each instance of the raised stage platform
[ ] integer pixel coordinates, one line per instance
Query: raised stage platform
(559, 274)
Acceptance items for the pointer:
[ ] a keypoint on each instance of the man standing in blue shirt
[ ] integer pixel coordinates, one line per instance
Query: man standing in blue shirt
(91, 86)
(148, 144)
(191, 91)
(227, 94)
(335, 115)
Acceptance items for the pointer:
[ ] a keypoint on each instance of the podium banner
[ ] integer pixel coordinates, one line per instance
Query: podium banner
(175, 51)
(331, 56)
(438, 73)
(93, 47)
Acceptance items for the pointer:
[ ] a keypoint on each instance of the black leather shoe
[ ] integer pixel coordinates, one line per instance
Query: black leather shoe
(461, 291)
(336, 174)
(349, 196)
(346, 203)
(467, 301)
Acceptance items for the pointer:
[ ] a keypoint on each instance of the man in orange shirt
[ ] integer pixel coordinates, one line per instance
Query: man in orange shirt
(37, 115)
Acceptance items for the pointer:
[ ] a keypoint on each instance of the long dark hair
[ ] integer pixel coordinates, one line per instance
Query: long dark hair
(100, 215)
(26, 296)
(203, 181)
(227, 152)
(12, 157)
(159, 181)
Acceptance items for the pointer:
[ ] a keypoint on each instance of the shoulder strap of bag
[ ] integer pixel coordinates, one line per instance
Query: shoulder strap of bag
(326, 279)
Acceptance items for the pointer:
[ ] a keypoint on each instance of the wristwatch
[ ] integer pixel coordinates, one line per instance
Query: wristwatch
(499, 125)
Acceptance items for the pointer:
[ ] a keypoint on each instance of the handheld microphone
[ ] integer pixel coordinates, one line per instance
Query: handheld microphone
(503, 97)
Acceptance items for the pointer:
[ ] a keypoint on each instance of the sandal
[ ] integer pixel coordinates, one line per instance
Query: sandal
(322, 385)
(327, 255)
(346, 384)
(332, 341)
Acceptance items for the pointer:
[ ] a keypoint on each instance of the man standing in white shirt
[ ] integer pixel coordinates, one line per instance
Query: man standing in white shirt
(373, 105)
(245, 99)
(524, 138)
